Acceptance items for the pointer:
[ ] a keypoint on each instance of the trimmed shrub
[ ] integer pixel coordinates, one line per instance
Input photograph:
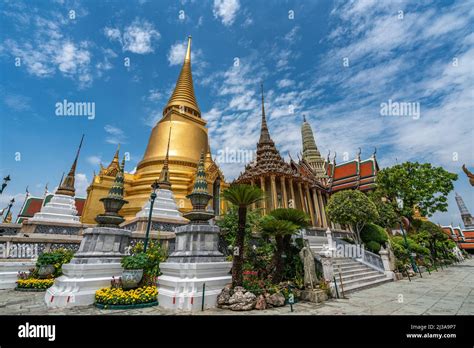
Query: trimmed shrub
(373, 246)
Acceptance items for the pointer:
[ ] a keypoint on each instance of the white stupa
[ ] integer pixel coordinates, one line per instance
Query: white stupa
(61, 209)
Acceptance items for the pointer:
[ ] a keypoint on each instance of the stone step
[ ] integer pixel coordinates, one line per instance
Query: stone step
(363, 275)
(346, 263)
(355, 271)
(366, 285)
(349, 267)
(361, 281)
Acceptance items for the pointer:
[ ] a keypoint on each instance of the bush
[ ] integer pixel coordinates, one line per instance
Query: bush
(117, 296)
(155, 253)
(56, 258)
(373, 232)
(137, 261)
(373, 246)
(34, 283)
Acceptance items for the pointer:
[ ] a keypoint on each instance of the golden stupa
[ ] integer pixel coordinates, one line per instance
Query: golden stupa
(187, 140)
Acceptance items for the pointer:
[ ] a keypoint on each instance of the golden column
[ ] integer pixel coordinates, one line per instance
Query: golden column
(317, 207)
(283, 189)
(274, 192)
(311, 210)
(323, 210)
(300, 191)
(292, 193)
(264, 201)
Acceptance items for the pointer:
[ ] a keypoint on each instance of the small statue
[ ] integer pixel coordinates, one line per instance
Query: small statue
(307, 257)
(469, 174)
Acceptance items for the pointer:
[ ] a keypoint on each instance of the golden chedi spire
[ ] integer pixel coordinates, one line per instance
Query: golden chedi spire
(183, 96)
(311, 153)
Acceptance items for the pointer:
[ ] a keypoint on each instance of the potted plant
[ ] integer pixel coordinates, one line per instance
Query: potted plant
(133, 270)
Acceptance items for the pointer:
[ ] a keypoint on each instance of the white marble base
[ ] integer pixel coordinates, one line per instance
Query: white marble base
(9, 272)
(181, 284)
(60, 208)
(164, 207)
(79, 282)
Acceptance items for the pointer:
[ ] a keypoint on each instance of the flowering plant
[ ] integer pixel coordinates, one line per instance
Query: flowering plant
(253, 283)
(118, 296)
(34, 283)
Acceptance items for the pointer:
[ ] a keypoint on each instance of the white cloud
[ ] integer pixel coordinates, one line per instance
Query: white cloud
(114, 135)
(94, 160)
(177, 52)
(226, 10)
(17, 102)
(138, 37)
(81, 184)
(285, 83)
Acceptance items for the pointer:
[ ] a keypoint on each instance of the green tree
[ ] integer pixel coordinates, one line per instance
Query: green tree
(278, 229)
(353, 208)
(416, 184)
(241, 196)
(388, 217)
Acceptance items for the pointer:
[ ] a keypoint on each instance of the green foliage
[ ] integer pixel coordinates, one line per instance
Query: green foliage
(373, 246)
(137, 261)
(228, 224)
(295, 216)
(272, 227)
(352, 207)
(374, 237)
(155, 255)
(402, 252)
(387, 215)
(56, 258)
(242, 195)
(258, 257)
(417, 184)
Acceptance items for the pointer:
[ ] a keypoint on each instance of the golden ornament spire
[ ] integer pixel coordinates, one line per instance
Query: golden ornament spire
(67, 185)
(183, 97)
(164, 180)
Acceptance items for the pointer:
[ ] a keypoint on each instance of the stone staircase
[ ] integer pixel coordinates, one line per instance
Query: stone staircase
(356, 275)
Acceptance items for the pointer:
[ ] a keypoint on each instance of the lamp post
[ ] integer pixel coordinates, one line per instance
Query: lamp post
(10, 205)
(5, 183)
(155, 186)
(412, 261)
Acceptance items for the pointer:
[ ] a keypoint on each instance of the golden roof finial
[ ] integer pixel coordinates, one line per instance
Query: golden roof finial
(188, 50)
(183, 97)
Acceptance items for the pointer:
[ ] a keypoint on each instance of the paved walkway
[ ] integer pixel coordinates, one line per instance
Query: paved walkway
(449, 291)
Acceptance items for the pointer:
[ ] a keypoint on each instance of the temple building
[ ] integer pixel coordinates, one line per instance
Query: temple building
(188, 139)
(305, 184)
(466, 216)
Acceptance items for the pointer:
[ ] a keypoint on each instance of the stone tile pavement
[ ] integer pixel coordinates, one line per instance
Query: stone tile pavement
(449, 291)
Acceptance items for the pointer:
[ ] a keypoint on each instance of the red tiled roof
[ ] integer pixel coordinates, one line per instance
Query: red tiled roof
(345, 170)
(366, 169)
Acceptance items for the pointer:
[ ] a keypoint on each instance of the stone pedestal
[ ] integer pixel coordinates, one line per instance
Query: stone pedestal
(93, 266)
(195, 261)
(386, 264)
(9, 271)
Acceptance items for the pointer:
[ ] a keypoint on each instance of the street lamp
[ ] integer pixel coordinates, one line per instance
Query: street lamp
(10, 205)
(155, 186)
(404, 219)
(5, 183)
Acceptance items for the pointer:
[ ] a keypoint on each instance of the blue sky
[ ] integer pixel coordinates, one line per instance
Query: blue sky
(334, 61)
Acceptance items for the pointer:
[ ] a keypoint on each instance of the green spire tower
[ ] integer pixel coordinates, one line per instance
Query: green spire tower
(311, 153)
(199, 196)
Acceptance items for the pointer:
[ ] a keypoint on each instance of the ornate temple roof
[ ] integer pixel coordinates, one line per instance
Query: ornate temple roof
(353, 174)
(183, 94)
(463, 237)
(114, 166)
(33, 205)
(269, 160)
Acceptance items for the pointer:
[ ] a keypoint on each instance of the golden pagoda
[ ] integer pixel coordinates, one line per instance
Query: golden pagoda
(188, 139)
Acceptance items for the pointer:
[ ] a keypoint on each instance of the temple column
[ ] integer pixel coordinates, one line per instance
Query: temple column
(323, 210)
(252, 182)
(317, 208)
(300, 191)
(274, 192)
(292, 193)
(264, 201)
(310, 206)
(283, 190)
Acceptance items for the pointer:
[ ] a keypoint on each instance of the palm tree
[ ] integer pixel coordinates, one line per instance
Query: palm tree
(241, 196)
(298, 217)
(278, 229)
